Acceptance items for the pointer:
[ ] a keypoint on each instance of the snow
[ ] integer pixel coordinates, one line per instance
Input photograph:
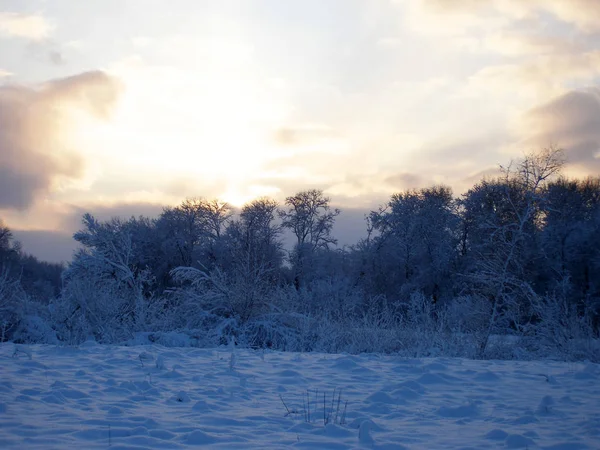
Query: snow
(98, 396)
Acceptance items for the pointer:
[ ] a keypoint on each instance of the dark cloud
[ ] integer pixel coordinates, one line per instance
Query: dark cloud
(571, 121)
(350, 226)
(56, 57)
(57, 246)
(402, 181)
(46, 51)
(18, 186)
(46, 245)
(485, 174)
(478, 147)
(33, 151)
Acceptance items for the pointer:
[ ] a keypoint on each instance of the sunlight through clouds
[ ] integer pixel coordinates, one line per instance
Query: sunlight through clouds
(203, 124)
(245, 99)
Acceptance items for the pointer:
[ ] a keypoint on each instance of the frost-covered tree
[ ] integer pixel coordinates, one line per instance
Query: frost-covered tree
(416, 242)
(310, 218)
(504, 216)
(105, 288)
(255, 253)
(254, 240)
(5, 238)
(27, 285)
(9, 248)
(571, 238)
(12, 298)
(192, 231)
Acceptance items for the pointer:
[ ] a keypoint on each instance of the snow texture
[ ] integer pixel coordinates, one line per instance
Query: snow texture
(98, 396)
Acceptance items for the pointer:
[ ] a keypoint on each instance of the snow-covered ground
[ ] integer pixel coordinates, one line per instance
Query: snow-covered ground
(155, 397)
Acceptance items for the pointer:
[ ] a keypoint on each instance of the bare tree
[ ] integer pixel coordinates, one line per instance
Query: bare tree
(311, 219)
(513, 214)
(9, 248)
(197, 224)
(257, 255)
(255, 237)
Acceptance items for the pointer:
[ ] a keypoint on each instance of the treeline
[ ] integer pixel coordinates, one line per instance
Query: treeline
(23, 279)
(517, 256)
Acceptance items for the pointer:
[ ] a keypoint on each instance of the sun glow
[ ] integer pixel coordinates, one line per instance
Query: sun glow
(210, 128)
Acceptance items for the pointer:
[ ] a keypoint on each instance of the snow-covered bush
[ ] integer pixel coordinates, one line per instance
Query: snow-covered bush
(34, 329)
(88, 307)
(218, 293)
(336, 298)
(561, 331)
(374, 331)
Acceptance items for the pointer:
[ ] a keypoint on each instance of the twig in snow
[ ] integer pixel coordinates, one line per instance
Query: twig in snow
(337, 411)
(304, 407)
(324, 409)
(286, 408)
(289, 411)
(343, 419)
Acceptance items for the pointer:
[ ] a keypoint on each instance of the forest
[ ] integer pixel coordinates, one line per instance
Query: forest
(508, 270)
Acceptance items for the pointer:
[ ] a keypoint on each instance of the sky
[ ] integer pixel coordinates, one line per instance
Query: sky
(119, 107)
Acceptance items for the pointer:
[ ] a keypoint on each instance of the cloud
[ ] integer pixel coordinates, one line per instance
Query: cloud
(75, 44)
(141, 41)
(471, 180)
(405, 180)
(510, 28)
(47, 245)
(46, 52)
(536, 79)
(350, 226)
(33, 151)
(583, 14)
(56, 57)
(59, 245)
(303, 134)
(514, 43)
(450, 18)
(26, 26)
(95, 91)
(571, 121)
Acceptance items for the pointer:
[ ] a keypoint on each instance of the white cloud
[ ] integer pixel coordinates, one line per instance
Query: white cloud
(27, 26)
(536, 79)
(445, 16)
(512, 43)
(75, 44)
(141, 41)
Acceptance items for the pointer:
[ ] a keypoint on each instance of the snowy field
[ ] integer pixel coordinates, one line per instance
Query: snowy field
(155, 397)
